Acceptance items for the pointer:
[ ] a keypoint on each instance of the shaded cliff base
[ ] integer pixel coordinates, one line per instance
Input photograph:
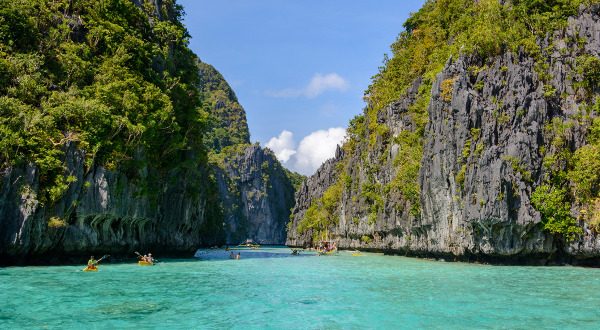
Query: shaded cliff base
(60, 258)
(530, 259)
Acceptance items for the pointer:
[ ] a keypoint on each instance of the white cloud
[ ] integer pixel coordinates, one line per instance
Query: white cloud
(283, 146)
(316, 148)
(312, 152)
(322, 83)
(318, 85)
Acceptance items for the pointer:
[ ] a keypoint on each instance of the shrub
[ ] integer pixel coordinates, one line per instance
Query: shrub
(586, 172)
(447, 88)
(56, 223)
(589, 67)
(555, 208)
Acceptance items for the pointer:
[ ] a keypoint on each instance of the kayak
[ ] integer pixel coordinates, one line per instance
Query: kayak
(145, 263)
(327, 253)
(90, 269)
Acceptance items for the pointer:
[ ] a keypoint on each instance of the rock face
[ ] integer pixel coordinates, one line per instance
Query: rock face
(483, 152)
(255, 191)
(106, 212)
(257, 196)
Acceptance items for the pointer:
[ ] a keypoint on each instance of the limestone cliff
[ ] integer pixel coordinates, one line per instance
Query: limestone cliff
(106, 211)
(255, 190)
(256, 193)
(159, 187)
(494, 128)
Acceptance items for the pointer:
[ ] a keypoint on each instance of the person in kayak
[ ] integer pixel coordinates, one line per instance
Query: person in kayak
(149, 258)
(92, 263)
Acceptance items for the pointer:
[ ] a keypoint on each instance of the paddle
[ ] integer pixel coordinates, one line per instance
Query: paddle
(103, 257)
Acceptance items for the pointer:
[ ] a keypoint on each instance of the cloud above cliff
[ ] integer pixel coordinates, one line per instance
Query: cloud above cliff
(312, 151)
(319, 84)
(283, 146)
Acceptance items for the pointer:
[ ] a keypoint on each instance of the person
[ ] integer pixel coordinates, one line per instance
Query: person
(238, 257)
(92, 263)
(231, 255)
(150, 259)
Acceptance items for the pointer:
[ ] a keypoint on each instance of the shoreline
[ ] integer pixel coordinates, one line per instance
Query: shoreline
(70, 259)
(81, 259)
(537, 260)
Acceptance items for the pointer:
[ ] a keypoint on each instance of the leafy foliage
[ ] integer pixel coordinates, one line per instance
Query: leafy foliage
(110, 76)
(444, 28)
(295, 178)
(586, 172)
(552, 203)
(589, 67)
(322, 213)
(228, 119)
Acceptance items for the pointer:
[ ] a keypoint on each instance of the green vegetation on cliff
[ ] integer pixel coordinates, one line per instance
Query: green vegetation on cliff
(228, 119)
(112, 77)
(322, 213)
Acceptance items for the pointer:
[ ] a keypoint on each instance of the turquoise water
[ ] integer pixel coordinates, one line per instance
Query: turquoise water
(333, 292)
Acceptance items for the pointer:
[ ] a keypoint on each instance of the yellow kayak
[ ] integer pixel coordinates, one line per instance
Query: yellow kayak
(328, 253)
(90, 269)
(145, 263)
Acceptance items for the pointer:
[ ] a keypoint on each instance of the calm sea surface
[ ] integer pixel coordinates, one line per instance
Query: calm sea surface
(371, 291)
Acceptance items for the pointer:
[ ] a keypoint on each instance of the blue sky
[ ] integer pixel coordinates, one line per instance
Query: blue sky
(298, 67)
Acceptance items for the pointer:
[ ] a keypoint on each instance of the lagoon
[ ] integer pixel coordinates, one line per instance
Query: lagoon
(311, 292)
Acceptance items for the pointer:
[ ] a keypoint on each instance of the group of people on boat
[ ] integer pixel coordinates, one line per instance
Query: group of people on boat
(146, 258)
(92, 264)
(326, 247)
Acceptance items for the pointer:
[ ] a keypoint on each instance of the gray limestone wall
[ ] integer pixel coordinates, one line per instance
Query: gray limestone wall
(482, 159)
(106, 212)
(257, 196)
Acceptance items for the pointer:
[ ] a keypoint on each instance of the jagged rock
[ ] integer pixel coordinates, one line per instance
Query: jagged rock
(257, 196)
(105, 212)
(482, 160)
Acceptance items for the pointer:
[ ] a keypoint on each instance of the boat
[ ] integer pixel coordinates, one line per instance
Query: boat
(327, 253)
(93, 266)
(250, 244)
(328, 248)
(357, 254)
(145, 263)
